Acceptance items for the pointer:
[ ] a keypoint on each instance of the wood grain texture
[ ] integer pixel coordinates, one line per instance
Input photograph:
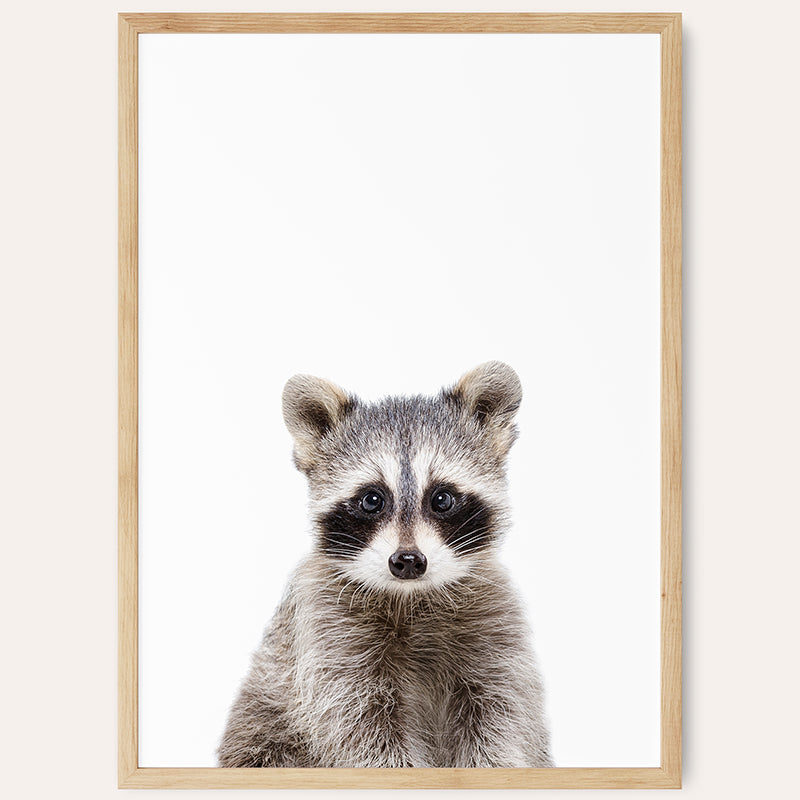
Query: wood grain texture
(399, 23)
(669, 774)
(671, 469)
(414, 778)
(127, 556)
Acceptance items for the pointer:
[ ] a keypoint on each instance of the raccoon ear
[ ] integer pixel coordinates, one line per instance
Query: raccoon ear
(312, 407)
(492, 393)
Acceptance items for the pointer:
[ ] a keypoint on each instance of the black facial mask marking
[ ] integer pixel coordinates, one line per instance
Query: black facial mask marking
(467, 526)
(347, 528)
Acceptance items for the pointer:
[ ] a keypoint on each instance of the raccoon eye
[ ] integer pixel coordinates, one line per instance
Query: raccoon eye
(442, 501)
(371, 502)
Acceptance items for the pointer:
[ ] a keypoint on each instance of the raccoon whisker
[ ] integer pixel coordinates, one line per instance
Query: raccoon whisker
(481, 528)
(360, 588)
(339, 576)
(453, 602)
(472, 547)
(461, 585)
(431, 606)
(411, 614)
(349, 545)
(343, 588)
(463, 540)
(482, 579)
(341, 552)
(348, 535)
(445, 595)
(467, 521)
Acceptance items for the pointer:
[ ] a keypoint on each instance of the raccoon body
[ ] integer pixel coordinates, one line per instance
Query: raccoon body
(399, 641)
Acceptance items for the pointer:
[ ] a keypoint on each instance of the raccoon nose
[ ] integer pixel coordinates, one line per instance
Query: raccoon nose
(407, 564)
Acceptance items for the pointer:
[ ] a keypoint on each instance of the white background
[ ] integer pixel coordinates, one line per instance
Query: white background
(58, 397)
(389, 211)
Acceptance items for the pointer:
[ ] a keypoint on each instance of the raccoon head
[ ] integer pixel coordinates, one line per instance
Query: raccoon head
(407, 493)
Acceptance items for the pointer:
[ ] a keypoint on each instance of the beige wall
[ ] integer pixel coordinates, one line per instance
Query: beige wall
(58, 401)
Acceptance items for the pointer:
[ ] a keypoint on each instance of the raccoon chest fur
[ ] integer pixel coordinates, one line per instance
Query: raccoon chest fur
(345, 681)
(390, 695)
(375, 685)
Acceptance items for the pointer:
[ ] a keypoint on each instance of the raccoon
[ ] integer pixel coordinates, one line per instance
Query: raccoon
(399, 641)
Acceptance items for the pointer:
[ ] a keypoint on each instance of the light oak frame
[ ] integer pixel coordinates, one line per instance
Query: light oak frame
(668, 775)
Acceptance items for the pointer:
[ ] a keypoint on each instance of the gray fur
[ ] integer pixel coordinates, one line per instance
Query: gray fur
(363, 671)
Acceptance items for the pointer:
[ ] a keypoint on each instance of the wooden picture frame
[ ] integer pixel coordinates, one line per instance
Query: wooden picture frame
(668, 774)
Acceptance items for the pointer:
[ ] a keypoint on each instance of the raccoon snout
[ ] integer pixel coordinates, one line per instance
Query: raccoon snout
(407, 564)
